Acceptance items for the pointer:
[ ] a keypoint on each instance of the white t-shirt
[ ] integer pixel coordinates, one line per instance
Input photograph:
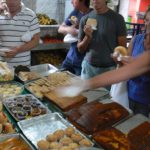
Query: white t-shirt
(13, 29)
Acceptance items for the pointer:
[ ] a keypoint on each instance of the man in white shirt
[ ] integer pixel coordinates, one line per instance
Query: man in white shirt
(19, 32)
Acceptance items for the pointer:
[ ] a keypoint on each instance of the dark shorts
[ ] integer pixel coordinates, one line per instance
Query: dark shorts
(139, 108)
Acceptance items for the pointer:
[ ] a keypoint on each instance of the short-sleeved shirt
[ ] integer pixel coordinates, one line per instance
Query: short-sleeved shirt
(110, 26)
(73, 55)
(12, 30)
(139, 87)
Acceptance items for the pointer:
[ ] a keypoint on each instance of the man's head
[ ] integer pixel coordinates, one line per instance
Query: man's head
(99, 5)
(13, 5)
(77, 4)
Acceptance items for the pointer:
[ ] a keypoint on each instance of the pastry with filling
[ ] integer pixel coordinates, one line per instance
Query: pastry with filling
(66, 141)
(69, 131)
(43, 145)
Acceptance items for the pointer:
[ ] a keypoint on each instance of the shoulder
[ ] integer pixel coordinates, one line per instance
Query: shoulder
(115, 15)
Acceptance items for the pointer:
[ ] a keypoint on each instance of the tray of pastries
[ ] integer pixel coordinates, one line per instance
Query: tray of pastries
(25, 107)
(45, 84)
(101, 116)
(27, 74)
(137, 137)
(51, 131)
(11, 88)
(14, 142)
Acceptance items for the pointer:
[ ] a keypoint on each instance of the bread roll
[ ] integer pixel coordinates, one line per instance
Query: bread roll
(91, 22)
(122, 50)
(43, 145)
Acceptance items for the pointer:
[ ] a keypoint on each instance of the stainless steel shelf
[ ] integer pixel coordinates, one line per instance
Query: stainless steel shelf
(52, 46)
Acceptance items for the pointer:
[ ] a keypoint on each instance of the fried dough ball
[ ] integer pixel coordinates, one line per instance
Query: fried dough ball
(59, 134)
(43, 145)
(73, 146)
(69, 131)
(76, 137)
(66, 141)
(54, 145)
(51, 138)
(85, 142)
(65, 148)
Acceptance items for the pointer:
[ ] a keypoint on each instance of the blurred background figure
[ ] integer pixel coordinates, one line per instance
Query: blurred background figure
(74, 59)
(19, 32)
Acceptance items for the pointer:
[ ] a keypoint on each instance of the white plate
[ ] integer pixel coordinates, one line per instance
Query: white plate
(70, 39)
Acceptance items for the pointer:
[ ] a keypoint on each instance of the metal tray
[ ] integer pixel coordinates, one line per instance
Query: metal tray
(45, 82)
(38, 128)
(131, 123)
(22, 97)
(5, 137)
(42, 70)
(12, 89)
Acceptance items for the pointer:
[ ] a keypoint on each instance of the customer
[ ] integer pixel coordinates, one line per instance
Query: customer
(139, 87)
(73, 59)
(99, 43)
(19, 33)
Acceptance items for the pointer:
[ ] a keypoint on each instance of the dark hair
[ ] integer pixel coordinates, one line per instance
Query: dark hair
(147, 11)
(86, 2)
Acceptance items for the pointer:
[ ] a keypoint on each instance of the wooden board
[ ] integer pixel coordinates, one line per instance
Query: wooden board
(65, 103)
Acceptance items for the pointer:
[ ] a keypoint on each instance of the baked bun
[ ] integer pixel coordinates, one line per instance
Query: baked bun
(43, 145)
(69, 131)
(122, 50)
(51, 138)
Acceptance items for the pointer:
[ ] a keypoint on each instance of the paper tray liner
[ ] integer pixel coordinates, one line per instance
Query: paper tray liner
(65, 103)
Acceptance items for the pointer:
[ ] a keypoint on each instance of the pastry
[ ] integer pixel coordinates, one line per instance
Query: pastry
(76, 137)
(51, 138)
(121, 50)
(59, 134)
(69, 131)
(66, 141)
(85, 143)
(65, 148)
(8, 128)
(43, 145)
(73, 146)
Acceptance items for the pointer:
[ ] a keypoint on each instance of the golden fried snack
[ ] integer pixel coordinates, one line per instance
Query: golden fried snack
(69, 131)
(76, 137)
(74, 145)
(59, 134)
(54, 145)
(51, 138)
(66, 141)
(8, 128)
(122, 50)
(85, 142)
(43, 145)
(3, 118)
(65, 148)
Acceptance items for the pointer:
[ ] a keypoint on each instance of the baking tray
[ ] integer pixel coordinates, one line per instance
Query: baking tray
(10, 88)
(44, 81)
(20, 104)
(42, 70)
(38, 128)
(131, 123)
(17, 135)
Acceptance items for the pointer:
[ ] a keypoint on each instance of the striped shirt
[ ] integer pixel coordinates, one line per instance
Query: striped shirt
(11, 32)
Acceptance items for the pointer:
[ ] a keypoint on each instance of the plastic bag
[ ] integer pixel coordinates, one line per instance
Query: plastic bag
(119, 93)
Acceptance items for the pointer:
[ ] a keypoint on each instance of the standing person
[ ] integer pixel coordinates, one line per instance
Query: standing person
(100, 41)
(19, 33)
(74, 59)
(138, 88)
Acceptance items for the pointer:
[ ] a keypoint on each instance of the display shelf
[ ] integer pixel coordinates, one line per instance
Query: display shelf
(51, 46)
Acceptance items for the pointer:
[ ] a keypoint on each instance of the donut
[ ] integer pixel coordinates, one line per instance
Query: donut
(122, 50)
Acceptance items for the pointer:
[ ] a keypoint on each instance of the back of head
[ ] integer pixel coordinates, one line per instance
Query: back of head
(86, 2)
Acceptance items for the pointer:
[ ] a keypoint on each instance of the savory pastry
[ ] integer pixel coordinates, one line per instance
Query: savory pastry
(73, 146)
(76, 137)
(59, 133)
(85, 143)
(3, 118)
(69, 131)
(43, 145)
(54, 145)
(121, 50)
(8, 128)
(51, 138)
(66, 141)
(65, 148)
